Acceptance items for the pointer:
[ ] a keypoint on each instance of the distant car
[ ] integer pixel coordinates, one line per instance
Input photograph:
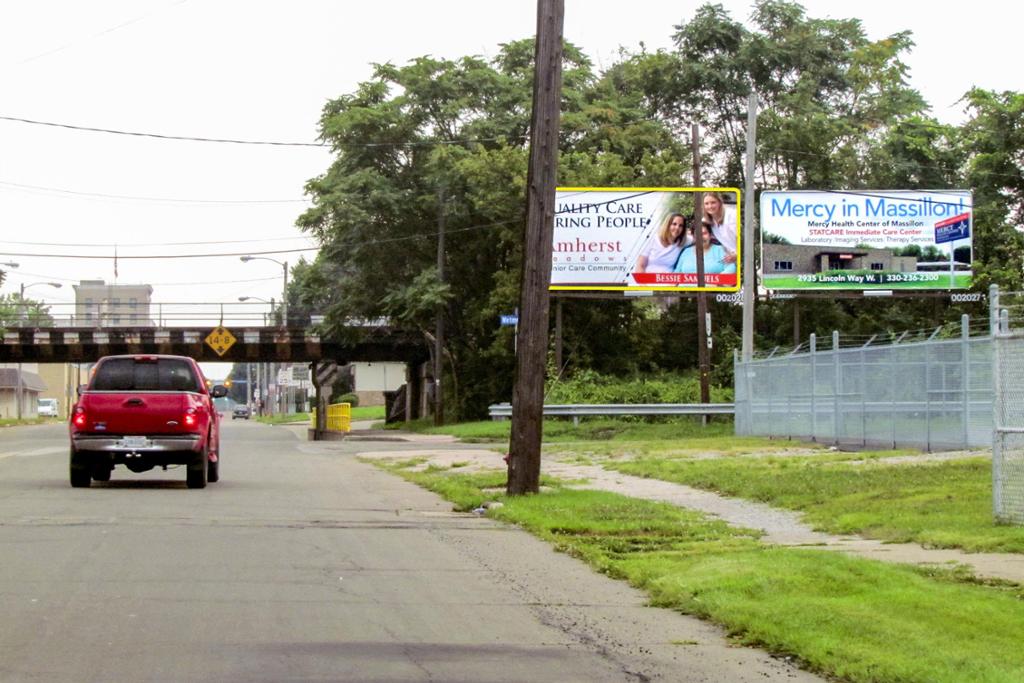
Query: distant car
(47, 407)
(240, 412)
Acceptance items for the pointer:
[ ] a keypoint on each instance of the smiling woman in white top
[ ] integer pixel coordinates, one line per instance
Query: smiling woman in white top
(722, 218)
(662, 251)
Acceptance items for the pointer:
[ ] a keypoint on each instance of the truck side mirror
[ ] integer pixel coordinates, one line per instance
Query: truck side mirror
(80, 388)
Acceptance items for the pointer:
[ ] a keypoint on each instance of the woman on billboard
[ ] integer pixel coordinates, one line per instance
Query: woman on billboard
(722, 219)
(715, 256)
(662, 251)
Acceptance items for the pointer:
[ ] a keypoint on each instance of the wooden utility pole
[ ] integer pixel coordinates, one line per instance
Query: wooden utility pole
(534, 306)
(558, 335)
(439, 331)
(703, 318)
(747, 242)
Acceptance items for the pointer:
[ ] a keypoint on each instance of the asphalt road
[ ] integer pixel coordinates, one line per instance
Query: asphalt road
(304, 564)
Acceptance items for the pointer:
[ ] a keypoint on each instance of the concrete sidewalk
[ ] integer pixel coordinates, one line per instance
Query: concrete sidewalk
(780, 527)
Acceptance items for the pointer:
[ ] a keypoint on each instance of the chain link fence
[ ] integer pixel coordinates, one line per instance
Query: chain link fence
(944, 389)
(934, 394)
(1008, 415)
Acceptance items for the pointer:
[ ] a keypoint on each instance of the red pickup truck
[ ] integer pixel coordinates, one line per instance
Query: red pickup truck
(143, 412)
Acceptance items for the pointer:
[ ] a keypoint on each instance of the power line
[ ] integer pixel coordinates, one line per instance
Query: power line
(153, 244)
(403, 238)
(905, 163)
(160, 136)
(13, 276)
(111, 29)
(272, 143)
(159, 256)
(170, 200)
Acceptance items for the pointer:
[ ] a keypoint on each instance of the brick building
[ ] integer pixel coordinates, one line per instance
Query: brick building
(809, 258)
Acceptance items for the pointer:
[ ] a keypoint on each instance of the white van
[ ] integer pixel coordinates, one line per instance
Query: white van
(47, 407)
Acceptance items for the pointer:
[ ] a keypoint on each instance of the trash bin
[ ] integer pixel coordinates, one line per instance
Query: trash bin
(394, 405)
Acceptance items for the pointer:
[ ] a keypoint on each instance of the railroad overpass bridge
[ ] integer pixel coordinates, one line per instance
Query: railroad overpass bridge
(70, 335)
(82, 345)
(249, 345)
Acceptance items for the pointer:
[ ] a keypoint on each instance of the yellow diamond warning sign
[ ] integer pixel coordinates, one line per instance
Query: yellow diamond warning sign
(220, 340)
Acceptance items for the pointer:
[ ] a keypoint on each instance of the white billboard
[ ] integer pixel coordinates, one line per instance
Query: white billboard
(866, 239)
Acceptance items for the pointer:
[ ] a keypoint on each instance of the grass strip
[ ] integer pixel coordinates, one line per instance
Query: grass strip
(281, 418)
(667, 431)
(368, 413)
(358, 413)
(937, 504)
(15, 422)
(850, 618)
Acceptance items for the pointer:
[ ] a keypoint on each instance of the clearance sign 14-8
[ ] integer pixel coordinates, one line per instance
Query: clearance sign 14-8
(866, 239)
(645, 239)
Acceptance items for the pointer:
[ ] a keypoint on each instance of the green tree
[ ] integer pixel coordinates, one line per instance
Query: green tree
(18, 312)
(994, 138)
(449, 137)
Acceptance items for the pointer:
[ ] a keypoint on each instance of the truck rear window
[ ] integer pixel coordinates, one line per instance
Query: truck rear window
(129, 374)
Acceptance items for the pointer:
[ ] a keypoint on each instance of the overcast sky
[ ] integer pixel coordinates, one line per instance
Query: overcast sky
(257, 70)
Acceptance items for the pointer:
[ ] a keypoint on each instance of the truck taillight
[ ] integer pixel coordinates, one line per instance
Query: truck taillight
(79, 418)
(190, 417)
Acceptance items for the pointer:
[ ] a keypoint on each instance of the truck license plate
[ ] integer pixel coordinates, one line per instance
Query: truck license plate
(134, 442)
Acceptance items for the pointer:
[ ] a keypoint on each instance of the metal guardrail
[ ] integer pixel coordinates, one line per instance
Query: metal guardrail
(500, 411)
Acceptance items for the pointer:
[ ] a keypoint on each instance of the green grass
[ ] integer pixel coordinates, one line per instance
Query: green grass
(939, 504)
(465, 491)
(368, 413)
(358, 413)
(280, 418)
(848, 618)
(594, 429)
(14, 422)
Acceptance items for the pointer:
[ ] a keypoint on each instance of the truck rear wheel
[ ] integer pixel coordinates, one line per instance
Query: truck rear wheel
(81, 477)
(213, 470)
(195, 476)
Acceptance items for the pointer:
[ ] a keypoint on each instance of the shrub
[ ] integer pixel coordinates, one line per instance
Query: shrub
(587, 386)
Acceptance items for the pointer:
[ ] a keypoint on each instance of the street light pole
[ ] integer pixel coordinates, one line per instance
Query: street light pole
(284, 292)
(284, 296)
(284, 300)
(20, 392)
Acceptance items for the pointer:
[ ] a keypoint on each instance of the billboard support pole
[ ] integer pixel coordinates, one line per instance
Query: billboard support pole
(749, 277)
(703, 317)
(952, 253)
(796, 321)
(439, 322)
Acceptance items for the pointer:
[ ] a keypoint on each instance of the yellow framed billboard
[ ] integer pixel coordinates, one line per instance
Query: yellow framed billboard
(646, 239)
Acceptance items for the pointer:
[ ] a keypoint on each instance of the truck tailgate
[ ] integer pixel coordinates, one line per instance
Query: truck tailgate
(141, 412)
